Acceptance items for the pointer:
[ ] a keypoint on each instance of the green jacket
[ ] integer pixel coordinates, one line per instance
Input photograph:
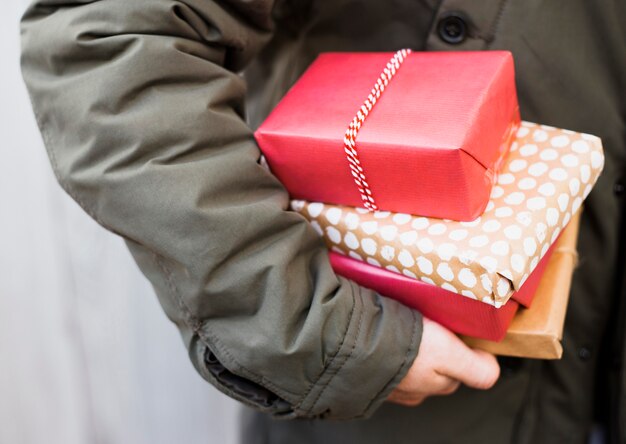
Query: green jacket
(141, 107)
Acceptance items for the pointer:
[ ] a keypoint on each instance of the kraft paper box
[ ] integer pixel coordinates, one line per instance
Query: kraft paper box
(536, 332)
(431, 145)
(544, 181)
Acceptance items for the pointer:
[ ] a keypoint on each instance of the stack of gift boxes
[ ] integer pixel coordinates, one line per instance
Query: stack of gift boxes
(419, 175)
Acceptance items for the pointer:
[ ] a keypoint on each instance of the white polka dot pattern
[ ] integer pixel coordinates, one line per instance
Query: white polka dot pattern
(548, 174)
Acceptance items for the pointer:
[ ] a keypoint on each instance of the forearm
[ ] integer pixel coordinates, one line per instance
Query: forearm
(141, 111)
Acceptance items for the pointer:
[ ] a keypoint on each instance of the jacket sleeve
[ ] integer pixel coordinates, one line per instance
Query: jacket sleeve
(141, 110)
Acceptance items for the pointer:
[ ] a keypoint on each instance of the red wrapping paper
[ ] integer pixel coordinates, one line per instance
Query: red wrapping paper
(432, 145)
(457, 313)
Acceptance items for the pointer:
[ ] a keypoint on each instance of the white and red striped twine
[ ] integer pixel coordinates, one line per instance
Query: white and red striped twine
(349, 141)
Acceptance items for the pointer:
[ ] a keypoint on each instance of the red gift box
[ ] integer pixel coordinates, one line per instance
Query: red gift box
(457, 313)
(430, 145)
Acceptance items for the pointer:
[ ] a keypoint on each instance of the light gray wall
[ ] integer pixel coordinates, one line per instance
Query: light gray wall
(86, 354)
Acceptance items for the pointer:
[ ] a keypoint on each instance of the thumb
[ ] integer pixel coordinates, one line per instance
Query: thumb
(474, 368)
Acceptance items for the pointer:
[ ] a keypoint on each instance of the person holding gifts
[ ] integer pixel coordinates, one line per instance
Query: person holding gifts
(148, 124)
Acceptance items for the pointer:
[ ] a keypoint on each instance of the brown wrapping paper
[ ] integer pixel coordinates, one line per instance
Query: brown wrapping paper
(545, 179)
(536, 332)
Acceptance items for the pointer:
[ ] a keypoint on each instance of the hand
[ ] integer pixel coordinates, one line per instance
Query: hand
(442, 364)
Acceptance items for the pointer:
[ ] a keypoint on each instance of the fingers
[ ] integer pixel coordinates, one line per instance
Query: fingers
(452, 358)
(443, 363)
(450, 388)
(405, 399)
(474, 368)
(409, 399)
(439, 384)
(488, 373)
(432, 383)
(409, 403)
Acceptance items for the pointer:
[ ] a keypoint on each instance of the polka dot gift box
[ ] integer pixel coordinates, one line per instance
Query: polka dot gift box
(547, 175)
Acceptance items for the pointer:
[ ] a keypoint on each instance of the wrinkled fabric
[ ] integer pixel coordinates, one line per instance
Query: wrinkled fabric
(143, 116)
(141, 110)
(570, 62)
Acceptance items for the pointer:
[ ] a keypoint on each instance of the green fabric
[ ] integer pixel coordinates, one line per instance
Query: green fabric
(570, 59)
(141, 112)
(143, 117)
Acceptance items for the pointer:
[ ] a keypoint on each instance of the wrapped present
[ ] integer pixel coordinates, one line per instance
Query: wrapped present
(429, 139)
(536, 332)
(543, 183)
(461, 315)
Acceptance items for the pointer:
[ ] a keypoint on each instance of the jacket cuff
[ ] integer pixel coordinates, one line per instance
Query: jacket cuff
(378, 349)
(381, 343)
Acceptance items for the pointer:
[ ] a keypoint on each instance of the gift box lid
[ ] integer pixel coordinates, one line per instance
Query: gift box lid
(548, 174)
(442, 124)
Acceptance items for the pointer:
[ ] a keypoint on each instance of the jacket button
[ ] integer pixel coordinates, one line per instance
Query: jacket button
(452, 28)
(619, 188)
(584, 354)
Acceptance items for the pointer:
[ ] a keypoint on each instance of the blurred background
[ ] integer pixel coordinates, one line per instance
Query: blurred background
(86, 354)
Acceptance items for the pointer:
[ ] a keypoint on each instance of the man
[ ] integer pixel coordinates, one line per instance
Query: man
(142, 112)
